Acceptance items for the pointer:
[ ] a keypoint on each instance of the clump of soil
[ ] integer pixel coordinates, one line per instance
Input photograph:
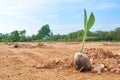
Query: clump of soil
(103, 60)
(17, 45)
(41, 45)
(58, 63)
(98, 53)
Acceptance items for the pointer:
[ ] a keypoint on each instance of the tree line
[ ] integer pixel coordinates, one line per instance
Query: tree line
(45, 34)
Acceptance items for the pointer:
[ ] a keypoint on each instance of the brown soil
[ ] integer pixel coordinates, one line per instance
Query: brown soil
(54, 61)
(111, 44)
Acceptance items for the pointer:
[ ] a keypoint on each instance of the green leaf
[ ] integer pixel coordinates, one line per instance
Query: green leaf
(90, 22)
(85, 19)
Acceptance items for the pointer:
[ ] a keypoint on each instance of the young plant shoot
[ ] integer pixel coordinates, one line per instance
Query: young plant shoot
(82, 61)
(88, 23)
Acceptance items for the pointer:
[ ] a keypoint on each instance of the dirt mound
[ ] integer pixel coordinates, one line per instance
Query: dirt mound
(98, 53)
(58, 63)
(41, 45)
(17, 45)
(103, 60)
(111, 44)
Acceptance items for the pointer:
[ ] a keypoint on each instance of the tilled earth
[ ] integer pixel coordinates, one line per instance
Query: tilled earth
(54, 61)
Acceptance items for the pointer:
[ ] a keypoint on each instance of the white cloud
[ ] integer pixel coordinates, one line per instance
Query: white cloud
(20, 7)
(15, 14)
(24, 7)
(27, 9)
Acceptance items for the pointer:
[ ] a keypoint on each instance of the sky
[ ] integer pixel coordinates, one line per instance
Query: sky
(63, 16)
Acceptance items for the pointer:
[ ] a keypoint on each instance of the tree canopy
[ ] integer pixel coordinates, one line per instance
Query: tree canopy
(44, 32)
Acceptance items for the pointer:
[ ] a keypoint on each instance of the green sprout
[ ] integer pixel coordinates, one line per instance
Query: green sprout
(88, 23)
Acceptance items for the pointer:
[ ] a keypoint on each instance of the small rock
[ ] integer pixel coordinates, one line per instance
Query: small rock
(113, 70)
(94, 70)
(117, 72)
(105, 70)
(98, 68)
(101, 66)
(16, 46)
(97, 71)
(91, 60)
(110, 63)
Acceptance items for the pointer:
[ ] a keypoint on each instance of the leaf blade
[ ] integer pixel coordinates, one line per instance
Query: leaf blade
(90, 22)
(85, 19)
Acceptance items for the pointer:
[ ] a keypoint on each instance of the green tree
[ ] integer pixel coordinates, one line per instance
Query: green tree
(22, 35)
(117, 33)
(5, 37)
(34, 37)
(14, 37)
(29, 38)
(1, 37)
(44, 32)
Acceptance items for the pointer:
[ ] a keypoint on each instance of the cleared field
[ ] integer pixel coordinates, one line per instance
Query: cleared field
(48, 61)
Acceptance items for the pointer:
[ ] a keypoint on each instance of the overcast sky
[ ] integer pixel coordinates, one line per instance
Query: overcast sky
(63, 16)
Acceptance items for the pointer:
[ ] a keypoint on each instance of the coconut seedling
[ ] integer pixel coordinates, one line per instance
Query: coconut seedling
(81, 60)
